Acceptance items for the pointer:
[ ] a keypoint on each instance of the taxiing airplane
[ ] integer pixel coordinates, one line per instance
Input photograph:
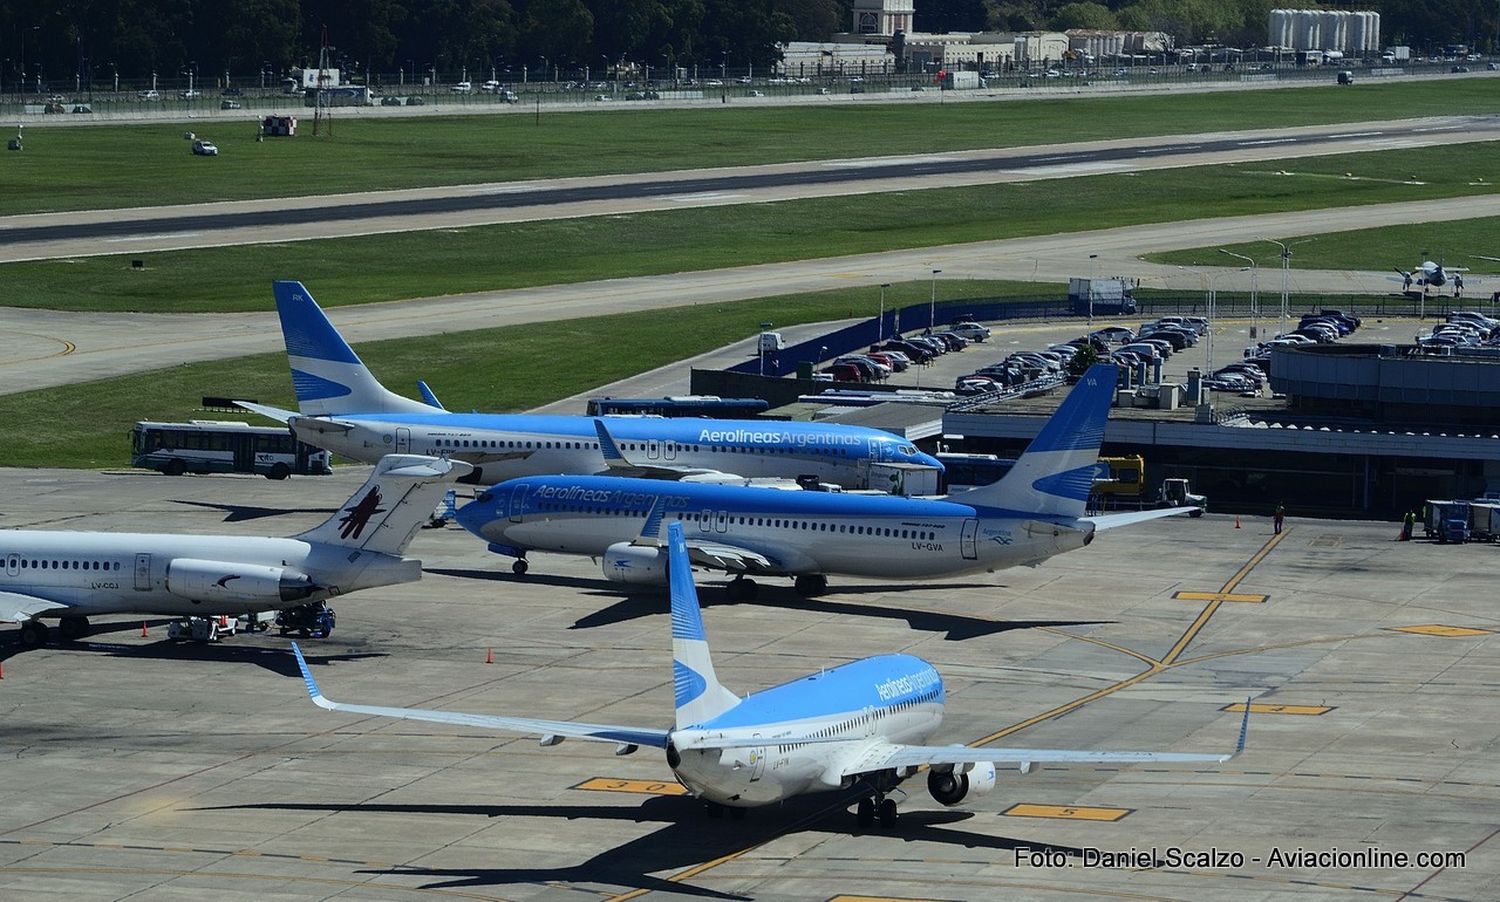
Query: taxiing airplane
(1034, 512)
(859, 726)
(344, 409)
(72, 575)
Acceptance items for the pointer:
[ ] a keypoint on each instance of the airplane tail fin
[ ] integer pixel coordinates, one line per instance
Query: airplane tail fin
(699, 695)
(328, 376)
(400, 495)
(1056, 474)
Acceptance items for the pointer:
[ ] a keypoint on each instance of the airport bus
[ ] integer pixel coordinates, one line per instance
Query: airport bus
(218, 446)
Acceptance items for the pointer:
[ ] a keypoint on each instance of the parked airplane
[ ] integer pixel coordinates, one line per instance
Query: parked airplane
(1432, 275)
(1034, 512)
(73, 575)
(859, 726)
(345, 410)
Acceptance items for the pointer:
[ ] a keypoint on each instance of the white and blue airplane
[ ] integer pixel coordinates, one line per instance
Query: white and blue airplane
(1034, 512)
(72, 575)
(344, 409)
(859, 726)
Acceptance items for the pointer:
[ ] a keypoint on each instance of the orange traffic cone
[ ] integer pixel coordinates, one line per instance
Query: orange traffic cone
(144, 634)
(1236, 521)
(489, 656)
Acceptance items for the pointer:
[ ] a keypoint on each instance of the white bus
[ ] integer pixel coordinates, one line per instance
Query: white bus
(216, 446)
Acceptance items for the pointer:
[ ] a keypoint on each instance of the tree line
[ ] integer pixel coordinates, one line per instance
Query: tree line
(59, 39)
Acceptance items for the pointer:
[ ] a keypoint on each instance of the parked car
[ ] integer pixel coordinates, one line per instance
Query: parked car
(205, 148)
(1114, 334)
(148, 95)
(490, 86)
(844, 372)
(970, 330)
(229, 104)
(190, 94)
(390, 101)
(463, 87)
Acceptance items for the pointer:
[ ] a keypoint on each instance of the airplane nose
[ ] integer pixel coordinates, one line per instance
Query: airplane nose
(927, 460)
(474, 516)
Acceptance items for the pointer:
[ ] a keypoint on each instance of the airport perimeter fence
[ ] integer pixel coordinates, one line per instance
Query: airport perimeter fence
(427, 91)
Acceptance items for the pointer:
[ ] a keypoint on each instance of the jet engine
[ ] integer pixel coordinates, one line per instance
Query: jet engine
(215, 581)
(640, 565)
(951, 787)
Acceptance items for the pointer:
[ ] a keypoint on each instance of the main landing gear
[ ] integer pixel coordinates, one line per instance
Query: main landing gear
(71, 629)
(742, 588)
(876, 806)
(716, 811)
(815, 584)
(33, 634)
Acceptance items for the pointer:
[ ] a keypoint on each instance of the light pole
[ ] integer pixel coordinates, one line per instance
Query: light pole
(1286, 274)
(932, 304)
(880, 324)
(1095, 259)
(1254, 290)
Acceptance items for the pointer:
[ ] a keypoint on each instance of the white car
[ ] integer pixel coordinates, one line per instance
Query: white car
(490, 87)
(463, 87)
(971, 331)
(148, 95)
(190, 94)
(205, 148)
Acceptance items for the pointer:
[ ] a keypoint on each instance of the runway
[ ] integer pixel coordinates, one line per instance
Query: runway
(143, 230)
(57, 348)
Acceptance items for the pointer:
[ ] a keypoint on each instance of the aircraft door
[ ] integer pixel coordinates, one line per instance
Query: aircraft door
(721, 522)
(403, 440)
(12, 565)
(757, 762)
(668, 450)
(518, 502)
(706, 521)
(143, 573)
(966, 542)
(877, 450)
(653, 449)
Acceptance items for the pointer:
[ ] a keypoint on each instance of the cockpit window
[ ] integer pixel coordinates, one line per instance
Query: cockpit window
(908, 449)
(484, 497)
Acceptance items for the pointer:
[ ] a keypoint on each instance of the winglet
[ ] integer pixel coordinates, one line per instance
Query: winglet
(610, 449)
(312, 684)
(651, 532)
(1239, 746)
(428, 396)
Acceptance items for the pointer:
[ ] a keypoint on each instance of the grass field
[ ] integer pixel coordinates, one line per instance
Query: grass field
(1453, 243)
(450, 261)
(133, 165)
(511, 368)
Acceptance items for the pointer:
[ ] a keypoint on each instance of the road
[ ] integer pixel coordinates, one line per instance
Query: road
(154, 229)
(50, 348)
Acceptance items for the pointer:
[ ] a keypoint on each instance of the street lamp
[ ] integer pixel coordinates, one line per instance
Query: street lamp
(880, 325)
(1286, 274)
(1254, 289)
(932, 304)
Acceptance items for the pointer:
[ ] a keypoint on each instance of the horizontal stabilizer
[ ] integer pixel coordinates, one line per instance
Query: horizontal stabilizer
(265, 410)
(1115, 521)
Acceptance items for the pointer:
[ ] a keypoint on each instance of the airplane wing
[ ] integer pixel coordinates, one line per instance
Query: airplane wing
(617, 464)
(731, 559)
(1115, 521)
(551, 731)
(265, 410)
(16, 607)
(882, 756)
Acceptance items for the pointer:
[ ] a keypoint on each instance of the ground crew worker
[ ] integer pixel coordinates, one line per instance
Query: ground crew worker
(1408, 523)
(1278, 518)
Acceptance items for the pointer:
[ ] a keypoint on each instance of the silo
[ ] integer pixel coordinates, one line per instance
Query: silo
(1305, 29)
(1334, 28)
(1279, 28)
